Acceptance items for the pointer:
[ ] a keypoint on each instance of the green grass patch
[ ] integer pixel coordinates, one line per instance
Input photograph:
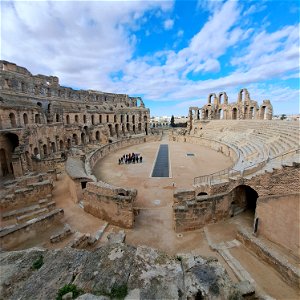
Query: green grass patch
(67, 289)
(38, 263)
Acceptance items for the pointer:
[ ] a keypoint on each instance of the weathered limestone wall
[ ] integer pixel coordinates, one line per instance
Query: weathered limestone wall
(25, 196)
(193, 212)
(115, 205)
(12, 237)
(198, 211)
(287, 271)
(279, 219)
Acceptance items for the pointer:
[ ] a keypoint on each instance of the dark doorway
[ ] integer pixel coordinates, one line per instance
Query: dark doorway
(244, 198)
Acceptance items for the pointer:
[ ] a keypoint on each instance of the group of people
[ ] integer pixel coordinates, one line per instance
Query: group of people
(131, 158)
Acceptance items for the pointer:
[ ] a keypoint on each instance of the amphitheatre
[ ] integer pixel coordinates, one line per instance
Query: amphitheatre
(211, 212)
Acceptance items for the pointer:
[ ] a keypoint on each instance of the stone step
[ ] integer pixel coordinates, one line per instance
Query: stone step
(18, 212)
(31, 215)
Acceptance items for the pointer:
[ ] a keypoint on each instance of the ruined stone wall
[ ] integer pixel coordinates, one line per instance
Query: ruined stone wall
(115, 205)
(218, 108)
(12, 237)
(41, 119)
(29, 194)
(193, 211)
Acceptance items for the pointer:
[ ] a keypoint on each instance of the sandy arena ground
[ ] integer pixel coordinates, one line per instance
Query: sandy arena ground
(154, 224)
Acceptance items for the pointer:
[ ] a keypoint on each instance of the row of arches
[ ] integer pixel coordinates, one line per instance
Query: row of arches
(17, 120)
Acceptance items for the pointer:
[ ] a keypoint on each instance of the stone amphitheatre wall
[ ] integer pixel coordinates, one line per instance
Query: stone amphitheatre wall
(278, 197)
(218, 108)
(110, 203)
(40, 120)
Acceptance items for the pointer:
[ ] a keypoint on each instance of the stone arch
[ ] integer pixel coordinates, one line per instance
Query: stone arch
(234, 113)
(117, 129)
(45, 150)
(243, 197)
(220, 114)
(209, 97)
(61, 145)
(67, 119)
(25, 119)
(246, 95)
(53, 147)
(82, 138)
(75, 139)
(13, 122)
(225, 98)
(37, 118)
(110, 130)
(97, 135)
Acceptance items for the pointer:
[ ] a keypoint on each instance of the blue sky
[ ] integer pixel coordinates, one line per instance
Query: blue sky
(172, 53)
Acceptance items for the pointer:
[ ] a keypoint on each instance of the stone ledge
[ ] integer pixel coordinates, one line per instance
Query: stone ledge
(288, 272)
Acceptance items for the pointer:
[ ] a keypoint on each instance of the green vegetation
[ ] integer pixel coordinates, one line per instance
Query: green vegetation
(38, 263)
(117, 292)
(67, 289)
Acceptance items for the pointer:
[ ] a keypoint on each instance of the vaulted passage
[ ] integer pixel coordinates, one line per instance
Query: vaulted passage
(161, 168)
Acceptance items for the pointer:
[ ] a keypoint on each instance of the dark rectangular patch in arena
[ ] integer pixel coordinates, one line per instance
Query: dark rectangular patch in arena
(161, 168)
(190, 154)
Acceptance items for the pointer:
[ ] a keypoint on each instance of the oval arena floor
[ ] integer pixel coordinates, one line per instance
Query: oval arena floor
(154, 224)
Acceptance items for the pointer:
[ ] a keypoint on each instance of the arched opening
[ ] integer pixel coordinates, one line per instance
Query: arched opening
(133, 119)
(25, 119)
(234, 113)
(140, 127)
(75, 139)
(13, 122)
(100, 119)
(206, 114)
(35, 151)
(117, 129)
(69, 143)
(221, 114)
(251, 112)
(128, 127)
(93, 120)
(97, 136)
(68, 119)
(123, 129)
(84, 118)
(122, 118)
(243, 197)
(82, 138)
(127, 118)
(145, 118)
(133, 128)
(107, 118)
(115, 118)
(39, 104)
(57, 117)
(23, 87)
(53, 147)
(76, 119)
(110, 130)
(37, 119)
(61, 145)
(202, 194)
(263, 113)
(45, 150)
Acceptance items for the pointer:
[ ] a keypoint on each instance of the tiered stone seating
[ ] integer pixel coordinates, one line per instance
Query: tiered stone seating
(26, 198)
(259, 142)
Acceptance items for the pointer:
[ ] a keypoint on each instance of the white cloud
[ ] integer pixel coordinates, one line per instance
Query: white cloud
(84, 43)
(168, 24)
